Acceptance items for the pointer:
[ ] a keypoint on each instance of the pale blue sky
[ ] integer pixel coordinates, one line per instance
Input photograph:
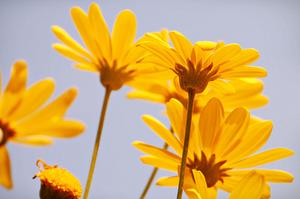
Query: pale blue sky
(272, 27)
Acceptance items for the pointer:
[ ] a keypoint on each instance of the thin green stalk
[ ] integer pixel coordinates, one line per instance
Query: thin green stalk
(191, 94)
(97, 142)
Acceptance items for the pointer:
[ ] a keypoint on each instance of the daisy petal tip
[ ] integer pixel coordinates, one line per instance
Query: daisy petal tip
(20, 64)
(136, 143)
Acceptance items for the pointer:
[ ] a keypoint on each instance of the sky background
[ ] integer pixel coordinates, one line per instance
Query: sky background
(272, 27)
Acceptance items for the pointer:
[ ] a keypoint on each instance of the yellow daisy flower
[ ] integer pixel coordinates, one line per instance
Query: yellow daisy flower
(221, 147)
(114, 56)
(245, 92)
(202, 63)
(25, 119)
(251, 186)
(57, 182)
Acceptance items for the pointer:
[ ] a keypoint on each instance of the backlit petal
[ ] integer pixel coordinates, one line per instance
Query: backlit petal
(124, 32)
(5, 171)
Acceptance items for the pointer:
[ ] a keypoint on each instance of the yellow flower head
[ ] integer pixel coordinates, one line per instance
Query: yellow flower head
(25, 118)
(222, 147)
(57, 183)
(199, 64)
(113, 55)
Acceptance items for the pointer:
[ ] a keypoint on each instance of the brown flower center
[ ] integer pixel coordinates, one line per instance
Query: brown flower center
(114, 77)
(5, 132)
(195, 76)
(211, 169)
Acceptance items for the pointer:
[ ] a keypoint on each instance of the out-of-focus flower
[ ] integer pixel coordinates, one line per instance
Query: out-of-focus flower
(221, 147)
(57, 182)
(25, 118)
(114, 56)
(245, 92)
(202, 63)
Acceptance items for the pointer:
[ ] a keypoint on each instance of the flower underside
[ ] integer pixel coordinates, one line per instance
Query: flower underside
(195, 76)
(114, 77)
(5, 132)
(211, 169)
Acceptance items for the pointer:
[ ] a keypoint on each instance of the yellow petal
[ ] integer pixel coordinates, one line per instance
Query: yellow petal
(37, 140)
(18, 77)
(5, 171)
(234, 129)
(71, 54)
(159, 163)
(61, 129)
(271, 175)
(223, 87)
(207, 45)
(171, 181)
(34, 97)
(14, 89)
(250, 187)
(263, 158)
(160, 51)
(100, 30)
(123, 33)
(52, 111)
(137, 94)
(211, 114)
(255, 137)
(201, 185)
(83, 26)
(64, 37)
(244, 57)
(176, 114)
(226, 53)
(276, 176)
(182, 45)
(248, 94)
(192, 194)
(154, 151)
(87, 67)
(245, 71)
(163, 133)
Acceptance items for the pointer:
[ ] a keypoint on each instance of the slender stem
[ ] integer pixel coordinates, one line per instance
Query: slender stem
(191, 94)
(152, 176)
(97, 143)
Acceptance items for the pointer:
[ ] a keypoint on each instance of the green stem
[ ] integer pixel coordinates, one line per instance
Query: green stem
(97, 143)
(191, 94)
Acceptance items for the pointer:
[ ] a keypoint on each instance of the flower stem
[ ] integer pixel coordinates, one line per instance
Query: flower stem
(152, 176)
(97, 142)
(191, 94)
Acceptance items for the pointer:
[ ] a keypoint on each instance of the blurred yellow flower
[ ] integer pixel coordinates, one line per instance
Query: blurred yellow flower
(25, 119)
(202, 63)
(57, 182)
(246, 92)
(221, 147)
(113, 55)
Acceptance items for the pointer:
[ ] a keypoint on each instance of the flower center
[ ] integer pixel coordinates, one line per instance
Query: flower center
(211, 169)
(5, 133)
(195, 76)
(114, 77)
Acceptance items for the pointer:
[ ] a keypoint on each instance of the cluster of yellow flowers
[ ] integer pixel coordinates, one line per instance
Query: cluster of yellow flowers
(207, 88)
